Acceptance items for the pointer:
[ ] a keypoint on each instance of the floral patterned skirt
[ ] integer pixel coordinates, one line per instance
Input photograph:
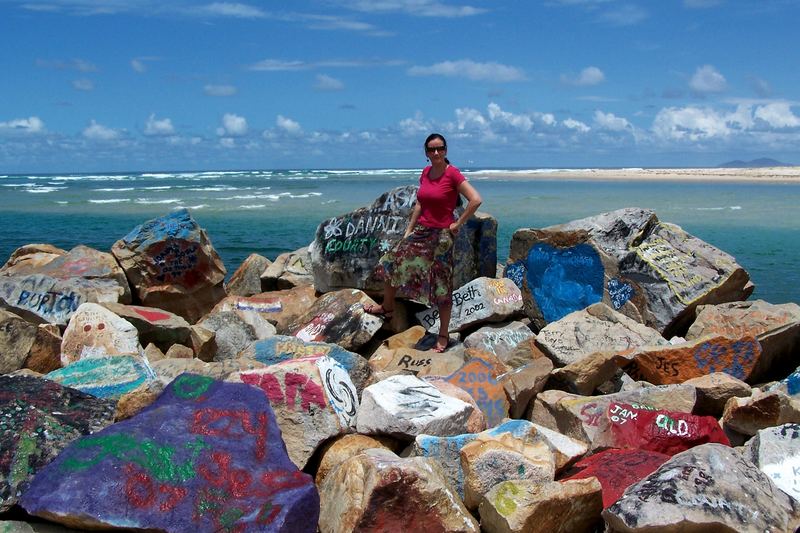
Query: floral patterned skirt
(421, 266)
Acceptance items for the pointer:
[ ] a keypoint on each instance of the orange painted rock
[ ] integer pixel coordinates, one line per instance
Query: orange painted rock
(657, 430)
(616, 470)
(673, 364)
(479, 378)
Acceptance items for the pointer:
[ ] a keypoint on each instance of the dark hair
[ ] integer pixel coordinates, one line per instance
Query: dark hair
(439, 136)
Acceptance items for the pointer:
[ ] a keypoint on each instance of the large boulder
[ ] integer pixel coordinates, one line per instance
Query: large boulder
(172, 265)
(29, 258)
(231, 333)
(39, 419)
(94, 331)
(480, 301)
(288, 271)
(246, 281)
(708, 488)
(503, 341)
(776, 327)
(378, 491)
(205, 456)
(628, 260)
(347, 248)
(154, 325)
(105, 377)
(279, 308)
(338, 317)
(478, 377)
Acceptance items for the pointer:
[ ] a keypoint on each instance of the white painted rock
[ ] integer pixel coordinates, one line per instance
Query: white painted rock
(708, 488)
(597, 328)
(776, 451)
(479, 301)
(406, 406)
(313, 400)
(501, 340)
(94, 331)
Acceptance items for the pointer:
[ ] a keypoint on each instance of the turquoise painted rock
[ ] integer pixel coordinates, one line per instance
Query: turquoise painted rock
(104, 377)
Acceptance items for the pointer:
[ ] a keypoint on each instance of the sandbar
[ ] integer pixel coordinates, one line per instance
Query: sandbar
(764, 174)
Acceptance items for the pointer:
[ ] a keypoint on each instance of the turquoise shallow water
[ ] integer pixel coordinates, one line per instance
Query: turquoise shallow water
(269, 212)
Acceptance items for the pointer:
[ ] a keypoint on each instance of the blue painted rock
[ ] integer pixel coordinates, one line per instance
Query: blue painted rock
(776, 326)
(480, 301)
(347, 248)
(105, 377)
(38, 419)
(478, 377)
(46, 299)
(338, 317)
(790, 385)
(94, 331)
(206, 456)
(313, 400)
(280, 348)
(674, 271)
(172, 265)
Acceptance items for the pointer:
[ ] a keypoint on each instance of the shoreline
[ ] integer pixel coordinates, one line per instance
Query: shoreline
(756, 175)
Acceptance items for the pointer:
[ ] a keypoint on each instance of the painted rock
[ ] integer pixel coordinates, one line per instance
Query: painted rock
(88, 263)
(342, 448)
(524, 505)
(406, 406)
(94, 331)
(29, 258)
(594, 329)
(677, 363)
(790, 385)
(231, 334)
(777, 328)
(762, 410)
(477, 420)
(278, 348)
(480, 301)
(446, 451)
(289, 270)
(206, 456)
(104, 377)
(657, 430)
(313, 400)
(16, 340)
(616, 470)
(710, 487)
(338, 317)
(154, 325)
(39, 298)
(172, 265)
(378, 491)
(347, 248)
(38, 419)
(246, 281)
(776, 451)
(579, 416)
(503, 341)
(478, 377)
(487, 463)
(417, 362)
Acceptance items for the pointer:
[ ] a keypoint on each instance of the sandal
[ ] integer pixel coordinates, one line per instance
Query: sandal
(379, 311)
(440, 349)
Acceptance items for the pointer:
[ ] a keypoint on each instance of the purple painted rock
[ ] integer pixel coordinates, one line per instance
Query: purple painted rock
(246, 281)
(154, 325)
(338, 317)
(206, 456)
(172, 265)
(616, 470)
(38, 419)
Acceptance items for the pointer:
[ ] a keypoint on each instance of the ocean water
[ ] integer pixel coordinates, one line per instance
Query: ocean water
(270, 212)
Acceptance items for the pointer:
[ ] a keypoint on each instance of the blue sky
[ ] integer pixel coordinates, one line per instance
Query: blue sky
(123, 85)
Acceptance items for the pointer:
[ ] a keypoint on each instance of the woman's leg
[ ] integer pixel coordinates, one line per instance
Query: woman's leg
(444, 326)
(386, 308)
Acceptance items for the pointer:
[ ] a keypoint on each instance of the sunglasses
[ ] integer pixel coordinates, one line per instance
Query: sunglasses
(432, 149)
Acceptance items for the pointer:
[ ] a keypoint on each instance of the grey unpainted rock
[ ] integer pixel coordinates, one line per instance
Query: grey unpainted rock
(232, 334)
(246, 281)
(16, 339)
(289, 270)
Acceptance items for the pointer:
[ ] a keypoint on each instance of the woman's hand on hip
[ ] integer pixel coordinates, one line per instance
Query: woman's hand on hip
(454, 227)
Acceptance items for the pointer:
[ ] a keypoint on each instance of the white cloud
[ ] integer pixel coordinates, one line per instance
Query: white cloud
(707, 79)
(138, 65)
(466, 68)
(232, 125)
(22, 125)
(777, 115)
(81, 65)
(468, 118)
(219, 90)
(98, 132)
(576, 125)
(288, 125)
(414, 125)
(83, 84)
(227, 142)
(328, 83)
(498, 116)
(609, 121)
(232, 9)
(278, 65)
(588, 76)
(690, 123)
(699, 4)
(421, 8)
(158, 127)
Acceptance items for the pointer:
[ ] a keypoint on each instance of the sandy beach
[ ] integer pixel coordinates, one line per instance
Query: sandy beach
(765, 174)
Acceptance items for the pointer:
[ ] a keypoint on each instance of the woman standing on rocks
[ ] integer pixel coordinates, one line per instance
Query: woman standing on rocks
(422, 262)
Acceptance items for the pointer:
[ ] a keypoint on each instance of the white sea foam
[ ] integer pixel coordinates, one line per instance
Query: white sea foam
(735, 207)
(111, 189)
(150, 201)
(158, 176)
(158, 188)
(195, 207)
(43, 190)
(62, 202)
(252, 206)
(109, 200)
(216, 188)
(19, 185)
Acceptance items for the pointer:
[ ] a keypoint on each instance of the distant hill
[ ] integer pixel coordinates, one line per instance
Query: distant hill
(755, 163)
